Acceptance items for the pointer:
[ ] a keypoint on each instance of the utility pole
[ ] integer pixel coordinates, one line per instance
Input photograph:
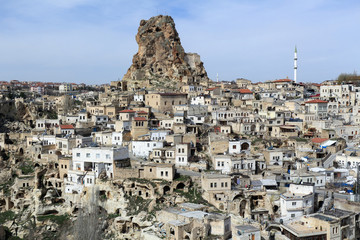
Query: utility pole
(295, 64)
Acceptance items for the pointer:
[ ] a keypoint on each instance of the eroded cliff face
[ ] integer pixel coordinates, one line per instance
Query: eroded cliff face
(161, 59)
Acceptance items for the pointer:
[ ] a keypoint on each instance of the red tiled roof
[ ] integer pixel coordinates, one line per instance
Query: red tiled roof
(283, 80)
(316, 101)
(127, 111)
(139, 119)
(142, 112)
(319, 140)
(66, 126)
(244, 91)
(316, 95)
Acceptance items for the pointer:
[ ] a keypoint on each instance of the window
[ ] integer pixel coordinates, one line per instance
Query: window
(77, 154)
(150, 169)
(294, 203)
(107, 156)
(162, 173)
(166, 173)
(211, 185)
(234, 146)
(215, 185)
(87, 155)
(225, 184)
(292, 215)
(222, 184)
(98, 155)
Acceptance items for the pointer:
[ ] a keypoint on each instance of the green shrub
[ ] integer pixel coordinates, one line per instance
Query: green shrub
(59, 219)
(27, 168)
(6, 216)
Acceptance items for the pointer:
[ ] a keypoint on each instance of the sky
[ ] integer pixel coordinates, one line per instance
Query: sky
(93, 41)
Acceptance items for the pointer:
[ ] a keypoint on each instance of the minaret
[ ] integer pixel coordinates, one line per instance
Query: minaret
(295, 64)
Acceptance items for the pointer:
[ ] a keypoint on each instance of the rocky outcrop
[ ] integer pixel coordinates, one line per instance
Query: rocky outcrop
(161, 60)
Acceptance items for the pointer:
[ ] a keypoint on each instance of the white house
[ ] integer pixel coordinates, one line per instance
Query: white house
(159, 135)
(223, 163)
(167, 123)
(98, 159)
(66, 87)
(83, 116)
(182, 154)
(318, 179)
(42, 124)
(103, 138)
(100, 119)
(139, 98)
(88, 163)
(198, 100)
(67, 129)
(44, 139)
(196, 119)
(116, 138)
(70, 119)
(297, 201)
(238, 146)
(144, 148)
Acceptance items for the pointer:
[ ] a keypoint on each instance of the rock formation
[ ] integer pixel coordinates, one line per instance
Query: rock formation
(161, 60)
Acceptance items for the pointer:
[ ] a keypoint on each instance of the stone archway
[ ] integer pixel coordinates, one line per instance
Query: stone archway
(245, 146)
(253, 127)
(237, 197)
(242, 208)
(166, 190)
(180, 186)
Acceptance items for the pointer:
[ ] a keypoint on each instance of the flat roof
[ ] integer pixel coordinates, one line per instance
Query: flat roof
(177, 223)
(247, 228)
(323, 218)
(301, 230)
(336, 212)
(210, 175)
(194, 214)
(192, 205)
